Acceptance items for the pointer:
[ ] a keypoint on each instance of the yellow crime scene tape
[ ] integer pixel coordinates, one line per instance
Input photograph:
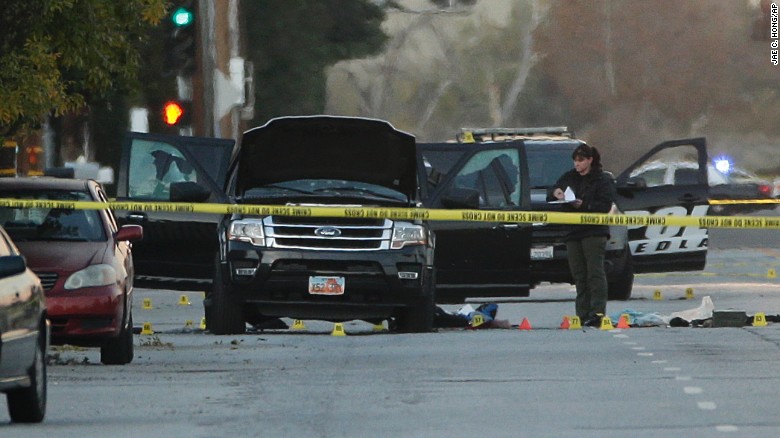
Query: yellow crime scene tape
(756, 222)
(743, 201)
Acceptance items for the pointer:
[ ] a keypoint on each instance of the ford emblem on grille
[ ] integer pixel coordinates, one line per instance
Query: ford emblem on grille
(327, 232)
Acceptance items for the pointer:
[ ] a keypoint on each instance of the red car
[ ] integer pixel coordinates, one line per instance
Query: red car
(83, 259)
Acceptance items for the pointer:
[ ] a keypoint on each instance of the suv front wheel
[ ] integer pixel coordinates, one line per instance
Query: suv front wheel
(223, 312)
(418, 317)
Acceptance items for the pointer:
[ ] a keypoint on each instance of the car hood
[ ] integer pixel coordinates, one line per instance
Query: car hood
(61, 256)
(328, 147)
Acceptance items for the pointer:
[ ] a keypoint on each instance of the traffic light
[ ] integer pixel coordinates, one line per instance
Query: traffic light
(34, 160)
(182, 38)
(8, 151)
(176, 113)
(182, 16)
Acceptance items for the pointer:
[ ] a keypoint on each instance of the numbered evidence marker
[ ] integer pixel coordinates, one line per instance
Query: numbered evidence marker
(338, 330)
(575, 323)
(606, 323)
(147, 329)
(184, 300)
(771, 273)
(147, 304)
(689, 293)
(759, 319)
(657, 295)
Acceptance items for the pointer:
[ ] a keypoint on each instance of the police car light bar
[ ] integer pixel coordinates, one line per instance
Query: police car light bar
(507, 133)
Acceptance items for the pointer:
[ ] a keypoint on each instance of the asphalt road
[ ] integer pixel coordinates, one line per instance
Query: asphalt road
(638, 382)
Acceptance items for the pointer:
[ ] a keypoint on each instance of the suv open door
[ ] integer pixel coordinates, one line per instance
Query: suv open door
(478, 259)
(643, 190)
(178, 249)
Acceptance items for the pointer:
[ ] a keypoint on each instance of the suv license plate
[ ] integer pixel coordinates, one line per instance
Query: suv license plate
(326, 285)
(542, 253)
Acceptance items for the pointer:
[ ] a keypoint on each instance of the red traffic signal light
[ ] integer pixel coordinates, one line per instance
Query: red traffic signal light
(172, 113)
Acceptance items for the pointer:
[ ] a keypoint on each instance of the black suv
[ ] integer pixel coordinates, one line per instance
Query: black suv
(277, 265)
(510, 170)
(269, 265)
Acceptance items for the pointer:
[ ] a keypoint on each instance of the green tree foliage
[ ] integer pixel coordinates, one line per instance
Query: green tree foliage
(291, 42)
(57, 56)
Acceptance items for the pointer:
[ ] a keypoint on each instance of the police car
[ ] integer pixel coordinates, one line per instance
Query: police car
(510, 170)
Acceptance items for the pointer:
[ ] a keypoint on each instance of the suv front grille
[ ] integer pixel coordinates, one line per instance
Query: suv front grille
(342, 234)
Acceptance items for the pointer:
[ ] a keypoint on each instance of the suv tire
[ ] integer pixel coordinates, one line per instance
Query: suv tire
(418, 317)
(223, 312)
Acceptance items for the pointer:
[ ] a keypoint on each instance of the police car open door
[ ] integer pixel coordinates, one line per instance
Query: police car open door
(671, 179)
(178, 248)
(484, 255)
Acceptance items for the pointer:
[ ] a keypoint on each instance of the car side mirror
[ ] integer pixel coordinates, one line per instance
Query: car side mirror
(12, 265)
(129, 232)
(188, 191)
(636, 182)
(461, 198)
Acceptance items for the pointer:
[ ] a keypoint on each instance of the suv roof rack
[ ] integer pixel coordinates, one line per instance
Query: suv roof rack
(478, 135)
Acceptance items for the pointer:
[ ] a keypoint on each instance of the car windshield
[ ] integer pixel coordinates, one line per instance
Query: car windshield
(49, 224)
(323, 187)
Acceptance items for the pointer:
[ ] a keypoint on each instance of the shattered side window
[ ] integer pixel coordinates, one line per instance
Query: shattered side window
(153, 167)
(494, 174)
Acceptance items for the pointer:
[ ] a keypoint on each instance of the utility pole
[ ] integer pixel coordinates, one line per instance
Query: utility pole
(221, 90)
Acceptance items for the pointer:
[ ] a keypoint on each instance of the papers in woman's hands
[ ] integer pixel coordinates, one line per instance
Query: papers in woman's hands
(568, 196)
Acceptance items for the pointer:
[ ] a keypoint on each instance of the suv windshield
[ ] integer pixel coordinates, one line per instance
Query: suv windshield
(323, 187)
(51, 223)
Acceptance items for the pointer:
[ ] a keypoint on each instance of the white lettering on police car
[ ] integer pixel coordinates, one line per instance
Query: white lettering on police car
(667, 239)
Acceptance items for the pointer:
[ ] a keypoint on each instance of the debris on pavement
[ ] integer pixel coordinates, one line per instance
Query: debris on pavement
(482, 317)
(704, 315)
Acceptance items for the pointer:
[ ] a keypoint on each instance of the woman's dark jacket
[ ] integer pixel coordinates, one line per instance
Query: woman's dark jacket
(596, 189)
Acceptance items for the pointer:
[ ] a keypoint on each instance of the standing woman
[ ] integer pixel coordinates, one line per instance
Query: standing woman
(586, 244)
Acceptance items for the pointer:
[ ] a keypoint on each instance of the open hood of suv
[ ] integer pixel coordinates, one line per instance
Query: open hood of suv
(328, 147)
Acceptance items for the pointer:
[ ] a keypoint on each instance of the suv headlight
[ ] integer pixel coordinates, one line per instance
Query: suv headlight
(95, 275)
(405, 234)
(247, 231)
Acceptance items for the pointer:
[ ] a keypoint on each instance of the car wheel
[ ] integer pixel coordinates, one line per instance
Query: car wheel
(619, 286)
(223, 312)
(28, 405)
(119, 350)
(418, 318)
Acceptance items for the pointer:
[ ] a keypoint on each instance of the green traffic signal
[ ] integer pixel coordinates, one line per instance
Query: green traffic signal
(182, 17)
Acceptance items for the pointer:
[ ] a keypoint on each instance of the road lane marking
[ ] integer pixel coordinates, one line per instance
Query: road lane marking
(706, 405)
(693, 390)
